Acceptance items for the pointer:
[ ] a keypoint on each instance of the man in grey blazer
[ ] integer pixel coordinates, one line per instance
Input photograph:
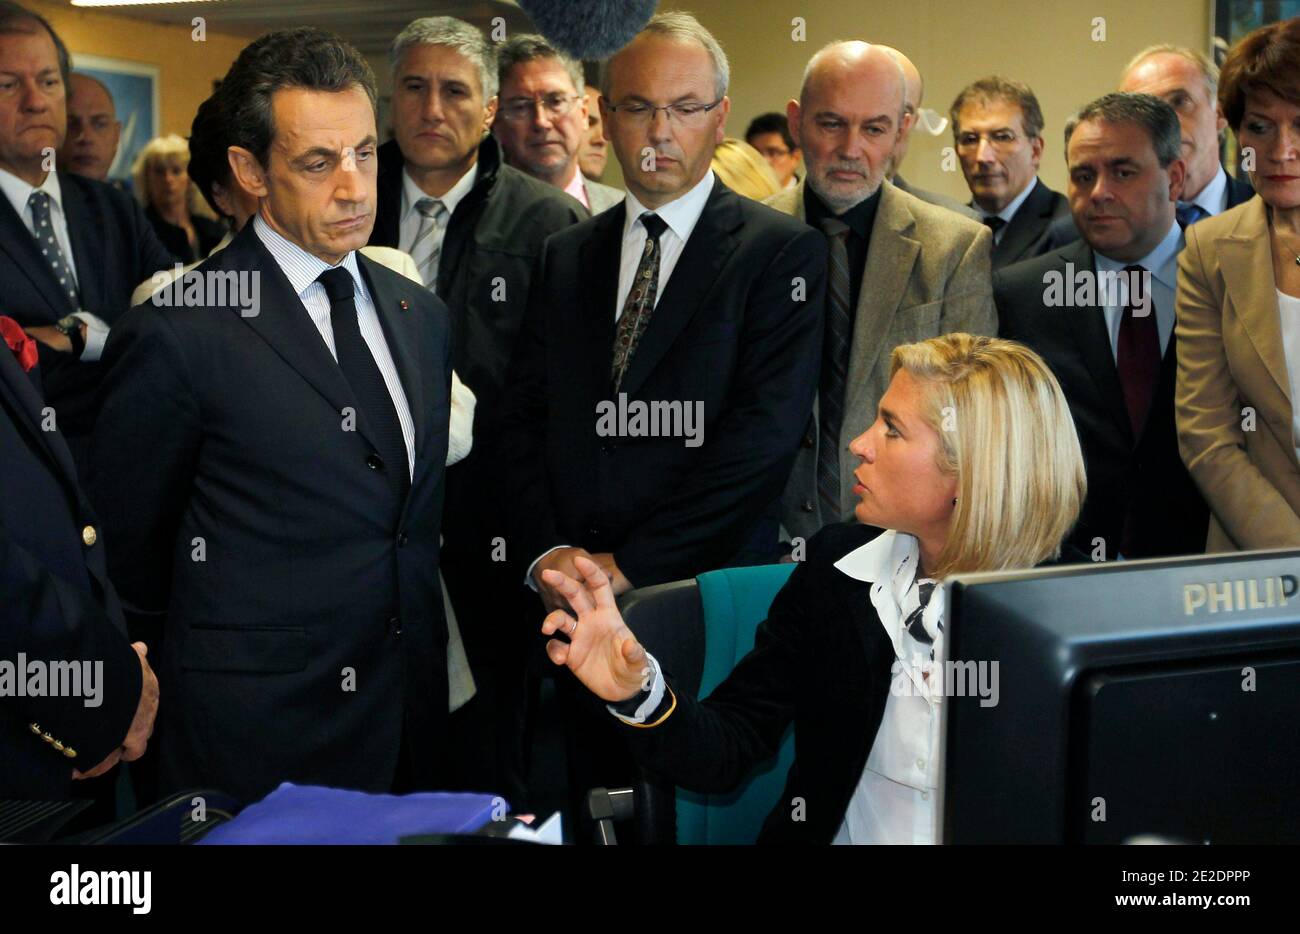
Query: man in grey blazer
(901, 270)
(541, 121)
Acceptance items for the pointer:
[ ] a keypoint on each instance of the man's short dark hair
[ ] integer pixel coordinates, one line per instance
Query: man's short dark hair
(18, 19)
(998, 88)
(303, 57)
(209, 140)
(1148, 112)
(771, 122)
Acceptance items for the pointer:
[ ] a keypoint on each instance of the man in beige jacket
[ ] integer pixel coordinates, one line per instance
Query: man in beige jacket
(901, 270)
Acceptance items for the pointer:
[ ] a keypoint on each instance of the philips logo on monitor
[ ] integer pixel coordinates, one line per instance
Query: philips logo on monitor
(1235, 596)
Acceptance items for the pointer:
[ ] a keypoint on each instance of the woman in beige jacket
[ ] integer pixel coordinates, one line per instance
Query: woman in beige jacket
(1238, 307)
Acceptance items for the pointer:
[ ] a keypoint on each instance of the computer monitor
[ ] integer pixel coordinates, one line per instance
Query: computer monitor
(1105, 702)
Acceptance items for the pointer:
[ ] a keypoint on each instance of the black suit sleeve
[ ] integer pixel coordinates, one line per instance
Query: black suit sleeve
(712, 745)
(151, 255)
(524, 425)
(747, 457)
(50, 620)
(143, 454)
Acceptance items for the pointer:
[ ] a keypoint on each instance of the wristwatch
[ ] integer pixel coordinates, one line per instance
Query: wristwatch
(71, 326)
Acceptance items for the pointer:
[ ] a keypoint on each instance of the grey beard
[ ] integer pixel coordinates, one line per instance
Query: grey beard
(841, 204)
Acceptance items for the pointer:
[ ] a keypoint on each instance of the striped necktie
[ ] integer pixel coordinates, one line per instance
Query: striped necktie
(835, 370)
(426, 249)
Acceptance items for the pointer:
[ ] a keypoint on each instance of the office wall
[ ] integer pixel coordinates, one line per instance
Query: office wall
(186, 68)
(1046, 43)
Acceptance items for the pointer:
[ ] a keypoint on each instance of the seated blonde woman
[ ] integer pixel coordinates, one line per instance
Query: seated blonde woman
(743, 169)
(998, 489)
(170, 200)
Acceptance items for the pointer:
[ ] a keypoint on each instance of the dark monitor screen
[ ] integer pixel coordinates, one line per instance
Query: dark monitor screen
(1099, 703)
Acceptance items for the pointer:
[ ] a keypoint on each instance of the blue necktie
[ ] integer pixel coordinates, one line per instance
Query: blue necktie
(1189, 214)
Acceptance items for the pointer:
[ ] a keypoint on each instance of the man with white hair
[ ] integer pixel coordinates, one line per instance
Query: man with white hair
(1188, 81)
(913, 93)
(927, 268)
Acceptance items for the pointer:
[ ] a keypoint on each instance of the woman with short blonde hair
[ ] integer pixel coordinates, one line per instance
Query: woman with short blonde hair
(971, 465)
(1020, 495)
(171, 201)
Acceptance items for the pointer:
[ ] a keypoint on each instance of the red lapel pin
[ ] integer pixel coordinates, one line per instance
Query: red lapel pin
(405, 305)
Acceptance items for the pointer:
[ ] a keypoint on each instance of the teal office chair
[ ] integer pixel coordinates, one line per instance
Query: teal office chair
(698, 630)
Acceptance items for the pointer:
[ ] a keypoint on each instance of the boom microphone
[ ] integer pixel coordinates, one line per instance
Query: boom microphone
(589, 29)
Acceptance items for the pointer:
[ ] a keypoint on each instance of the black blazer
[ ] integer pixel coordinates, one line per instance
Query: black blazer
(236, 501)
(56, 604)
(1124, 472)
(725, 333)
(209, 232)
(114, 249)
(1027, 234)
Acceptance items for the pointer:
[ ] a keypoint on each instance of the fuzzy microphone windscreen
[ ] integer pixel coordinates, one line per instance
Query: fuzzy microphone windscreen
(589, 29)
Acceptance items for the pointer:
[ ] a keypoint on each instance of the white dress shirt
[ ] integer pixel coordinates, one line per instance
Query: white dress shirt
(1162, 262)
(302, 270)
(1288, 312)
(681, 215)
(895, 800)
(896, 796)
(19, 194)
(1008, 212)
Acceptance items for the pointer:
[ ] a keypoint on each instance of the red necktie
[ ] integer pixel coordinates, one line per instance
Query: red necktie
(1138, 356)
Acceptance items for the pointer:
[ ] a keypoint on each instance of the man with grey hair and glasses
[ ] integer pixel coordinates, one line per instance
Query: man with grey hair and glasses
(474, 227)
(542, 119)
(686, 300)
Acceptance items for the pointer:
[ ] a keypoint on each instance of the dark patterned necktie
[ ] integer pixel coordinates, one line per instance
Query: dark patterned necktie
(362, 373)
(835, 369)
(994, 224)
(640, 303)
(49, 244)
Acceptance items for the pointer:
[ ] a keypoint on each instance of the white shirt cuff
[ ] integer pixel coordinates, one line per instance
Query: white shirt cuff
(528, 575)
(655, 678)
(96, 335)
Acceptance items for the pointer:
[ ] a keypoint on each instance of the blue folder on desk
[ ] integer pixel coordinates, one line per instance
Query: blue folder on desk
(308, 814)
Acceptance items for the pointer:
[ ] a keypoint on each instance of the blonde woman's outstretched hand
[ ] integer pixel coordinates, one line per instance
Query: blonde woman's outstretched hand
(601, 651)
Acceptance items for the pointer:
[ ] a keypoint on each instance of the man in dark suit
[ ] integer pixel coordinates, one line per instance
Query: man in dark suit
(71, 249)
(668, 358)
(688, 296)
(269, 461)
(1101, 312)
(474, 227)
(997, 127)
(58, 609)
